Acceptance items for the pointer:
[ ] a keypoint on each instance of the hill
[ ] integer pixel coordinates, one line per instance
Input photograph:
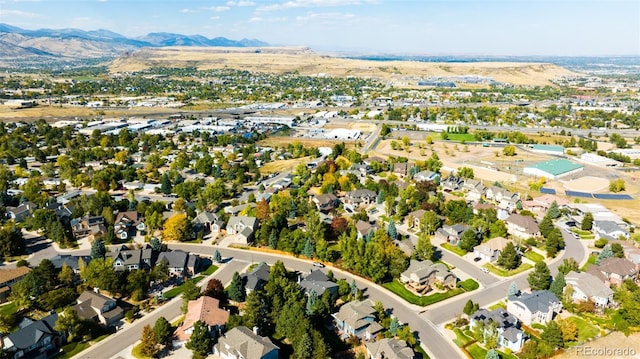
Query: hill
(306, 62)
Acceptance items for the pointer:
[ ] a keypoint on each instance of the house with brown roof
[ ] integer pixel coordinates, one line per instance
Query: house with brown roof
(401, 169)
(9, 277)
(205, 309)
(390, 348)
(98, 307)
(128, 225)
(587, 287)
(241, 342)
(88, 226)
(358, 319)
(361, 197)
(413, 218)
(363, 228)
(491, 249)
(614, 271)
(521, 226)
(326, 202)
(421, 276)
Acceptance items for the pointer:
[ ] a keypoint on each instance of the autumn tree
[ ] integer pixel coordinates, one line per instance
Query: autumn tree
(177, 228)
(148, 345)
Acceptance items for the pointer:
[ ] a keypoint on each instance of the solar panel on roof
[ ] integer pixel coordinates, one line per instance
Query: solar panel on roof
(612, 196)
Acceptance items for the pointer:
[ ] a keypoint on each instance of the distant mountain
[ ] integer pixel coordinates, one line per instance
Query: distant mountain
(60, 45)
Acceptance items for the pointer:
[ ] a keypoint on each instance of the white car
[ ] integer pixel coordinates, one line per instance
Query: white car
(484, 270)
(318, 264)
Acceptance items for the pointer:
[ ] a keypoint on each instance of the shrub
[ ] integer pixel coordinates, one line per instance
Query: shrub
(600, 243)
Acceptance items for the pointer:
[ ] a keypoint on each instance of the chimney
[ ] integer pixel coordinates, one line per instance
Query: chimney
(255, 330)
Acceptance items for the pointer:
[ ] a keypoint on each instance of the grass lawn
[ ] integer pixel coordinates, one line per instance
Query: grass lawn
(461, 339)
(507, 273)
(71, 349)
(467, 137)
(455, 249)
(586, 330)
(178, 290)
(534, 256)
(476, 351)
(8, 308)
(580, 231)
(400, 290)
(501, 304)
(212, 268)
(137, 353)
(591, 260)
(469, 285)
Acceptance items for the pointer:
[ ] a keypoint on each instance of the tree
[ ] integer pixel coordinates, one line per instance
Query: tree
(391, 230)
(215, 289)
(546, 225)
(540, 278)
(568, 265)
(69, 322)
(498, 229)
(465, 172)
(552, 335)
(618, 250)
(492, 354)
(558, 284)
(424, 249)
(155, 244)
(256, 312)
(217, 257)
(163, 331)
(236, 288)
(554, 243)
(470, 307)
(569, 330)
(605, 253)
(587, 222)
(148, 345)
(97, 249)
(429, 222)
(509, 150)
(554, 210)
(616, 185)
(200, 342)
(190, 291)
(66, 274)
(513, 290)
(469, 240)
(509, 258)
(177, 228)
(165, 184)
(394, 326)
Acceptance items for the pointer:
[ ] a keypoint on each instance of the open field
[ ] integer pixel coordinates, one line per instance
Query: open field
(283, 165)
(54, 113)
(613, 341)
(589, 184)
(306, 62)
(306, 142)
(364, 127)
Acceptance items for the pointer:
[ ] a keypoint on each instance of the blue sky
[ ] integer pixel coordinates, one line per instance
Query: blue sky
(426, 27)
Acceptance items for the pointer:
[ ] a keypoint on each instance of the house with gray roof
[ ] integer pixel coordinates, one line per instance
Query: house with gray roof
(451, 234)
(363, 228)
(390, 348)
(426, 175)
(358, 319)
(421, 276)
(180, 263)
(361, 197)
(241, 342)
(522, 227)
(98, 307)
(491, 249)
(537, 307)
(207, 222)
(256, 278)
(128, 224)
(609, 230)
(35, 339)
(318, 282)
(88, 226)
(509, 333)
(587, 287)
(243, 226)
(131, 259)
(326, 202)
(70, 261)
(21, 212)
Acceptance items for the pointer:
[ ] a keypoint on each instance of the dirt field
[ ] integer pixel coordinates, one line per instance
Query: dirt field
(306, 142)
(612, 342)
(364, 127)
(54, 113)
(307, 62)
(589, 184)
(283, 165)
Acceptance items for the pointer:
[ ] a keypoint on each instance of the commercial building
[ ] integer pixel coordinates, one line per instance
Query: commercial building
(553, 169)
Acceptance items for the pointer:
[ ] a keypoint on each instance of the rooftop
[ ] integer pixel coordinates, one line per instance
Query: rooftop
(557, 166)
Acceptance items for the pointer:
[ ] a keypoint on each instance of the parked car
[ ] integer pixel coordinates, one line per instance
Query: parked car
(477, 259)
(318, 264)
(484, 270)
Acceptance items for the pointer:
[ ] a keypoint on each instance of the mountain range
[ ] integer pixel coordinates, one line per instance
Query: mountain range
(19, 44)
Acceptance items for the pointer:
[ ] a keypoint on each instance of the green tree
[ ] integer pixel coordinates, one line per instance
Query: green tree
(200, 342)
(391, 230)
(554, 210)
(469, 307)
(69, 322)
(256, 313)
(165, 184)
(605, 253)
(236, 288)
(394, 326)
(618, 250)
(66, 275)
(546, 225)
(190, 291)
(469, 240)
(509, 150)
(540, 278)
(617, 185)
(554, 243)
(498, 229)
(552, 335)
(465, 172)
(558, 284)
(217, 257)
(148, 345)
(587, 222)
(97, 249)
(492, 354)
(155, 244)
(568, 265)
(509, 258)
(429, 222)
(513, 290)
(424, 248)
(163, 331)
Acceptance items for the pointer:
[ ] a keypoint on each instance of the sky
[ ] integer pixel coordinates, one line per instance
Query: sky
(400, 27)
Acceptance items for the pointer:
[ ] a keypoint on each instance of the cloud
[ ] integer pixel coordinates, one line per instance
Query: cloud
(325, 17)
(267, 19)
(217, 8)
(241, 3)
(292, 4)
(18, 13)
(214, 18)
(187, 11)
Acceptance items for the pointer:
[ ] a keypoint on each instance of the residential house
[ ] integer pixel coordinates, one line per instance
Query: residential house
(401, 169)
(363, 228)
(390, 348)
(370, 160)
(241, 343)
(128, 225)
(235, 210)
(131, 259)
(70, 261)
(505, 199)
(88, 226)
(475, 190)
(452, 183)
(451, 234)
(631, 252)
(522, 227)
(479, 206)
(491, 249)
(180, 263)
(207, 222)
(609, 230)
(508, 327)
(326, 202)
(9, 277)
(361, 197)
(207, 310)
(421, 276)
(21, 212)
(318, 282)
(63, 212)
(614, 271)
(243, 226)
(586, 287)
(413, 218)
(257, 278)
(98, 307)
(541, 204)
(537, 307)
(357, 319)
(68, 197)
(426, 175)
(36, 339)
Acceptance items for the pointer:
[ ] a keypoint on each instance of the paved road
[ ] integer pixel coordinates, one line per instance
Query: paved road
(111, 346)
(372, 139)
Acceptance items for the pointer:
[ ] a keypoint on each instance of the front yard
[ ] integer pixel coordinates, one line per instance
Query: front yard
(400, 290)
(455, 249)
(507, 273)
